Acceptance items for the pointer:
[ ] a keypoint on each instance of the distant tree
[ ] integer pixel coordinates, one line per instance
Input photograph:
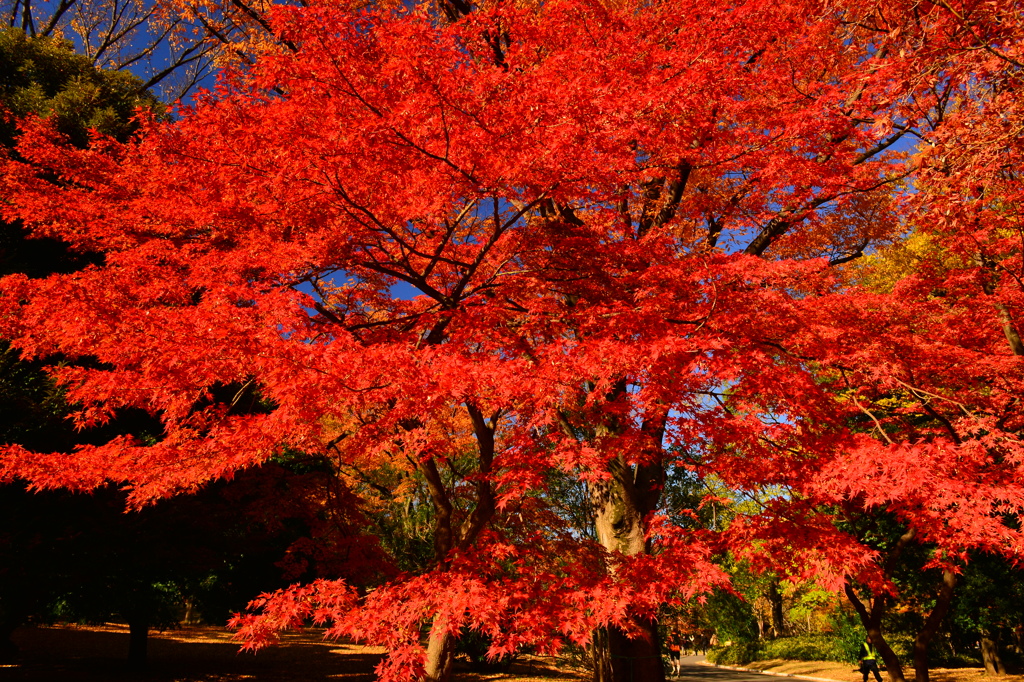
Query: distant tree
(81, 557)
(143, 36)
(988, 611)
(80, 550)
(45, 77)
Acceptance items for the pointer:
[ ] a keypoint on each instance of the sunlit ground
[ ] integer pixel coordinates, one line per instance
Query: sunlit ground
(846, 672)
(209, 654)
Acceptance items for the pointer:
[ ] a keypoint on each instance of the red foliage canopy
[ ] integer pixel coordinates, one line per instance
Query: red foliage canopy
(629, 229)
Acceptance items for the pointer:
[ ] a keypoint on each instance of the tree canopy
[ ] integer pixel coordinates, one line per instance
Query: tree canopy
(630, 232)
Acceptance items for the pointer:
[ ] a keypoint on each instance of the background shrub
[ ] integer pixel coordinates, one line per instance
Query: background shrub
(806, 648)
(739, 653)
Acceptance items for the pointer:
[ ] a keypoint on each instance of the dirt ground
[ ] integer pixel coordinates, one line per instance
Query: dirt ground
(846, 672)
(208, 654)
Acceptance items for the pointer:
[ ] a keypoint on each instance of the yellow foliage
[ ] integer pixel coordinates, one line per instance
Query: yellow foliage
(883, 269)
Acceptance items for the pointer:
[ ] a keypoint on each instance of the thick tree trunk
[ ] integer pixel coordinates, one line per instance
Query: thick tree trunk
(990, 655)
(138, 639)
(15, 607)
(440, 654)
(191, 613)
(621, 505)
(931, 625)
(618, 658)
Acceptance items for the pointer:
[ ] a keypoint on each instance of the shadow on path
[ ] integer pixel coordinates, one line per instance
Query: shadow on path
(693, 672)
(86, 655)
(209, 654)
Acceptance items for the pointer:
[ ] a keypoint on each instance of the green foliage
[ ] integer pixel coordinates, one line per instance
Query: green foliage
(807, 648)
(473, 646)
(989, 599)
(835, 647)
(731, 617)
(809, 607)
(32, 409)
(902, 644)
(682, 498)
(157, 604)
(735, 653)
(44, 76)
(847, 636)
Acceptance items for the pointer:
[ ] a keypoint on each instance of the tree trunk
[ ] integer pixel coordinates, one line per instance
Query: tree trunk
(138, 639)
(452, 533)
(871, 616)
(990, 655)
(15, 607)
(621, 505)
(601, 654)
(931, 625)
(440, 654)
(893, 667)
(775, 599)
(872, 622)
(191, 615)
(618, 658)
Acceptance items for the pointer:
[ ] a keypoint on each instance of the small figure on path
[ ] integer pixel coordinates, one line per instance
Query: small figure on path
(869, 660)
(675, 654)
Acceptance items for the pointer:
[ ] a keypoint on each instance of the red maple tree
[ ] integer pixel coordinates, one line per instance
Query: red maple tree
(630, 231)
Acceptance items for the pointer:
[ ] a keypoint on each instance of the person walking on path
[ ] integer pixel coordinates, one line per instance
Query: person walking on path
(675, 654)
(869, 660)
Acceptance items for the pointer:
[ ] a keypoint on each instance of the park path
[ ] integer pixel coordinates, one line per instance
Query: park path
(694, 671)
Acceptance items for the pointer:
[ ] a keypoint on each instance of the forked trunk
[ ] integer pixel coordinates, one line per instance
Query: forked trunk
(990, 655)
(440, 654)
(871, 614)
(871, 619)
(931, 625)
(451, 533)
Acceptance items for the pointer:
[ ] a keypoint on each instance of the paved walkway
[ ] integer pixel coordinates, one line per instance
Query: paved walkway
(694, 671)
